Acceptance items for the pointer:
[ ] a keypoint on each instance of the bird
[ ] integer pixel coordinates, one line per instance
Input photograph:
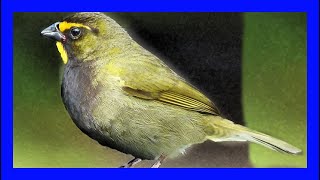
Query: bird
(126, 98)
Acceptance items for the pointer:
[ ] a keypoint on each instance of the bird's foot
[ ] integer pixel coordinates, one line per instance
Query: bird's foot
(131, 163)
(159, 161)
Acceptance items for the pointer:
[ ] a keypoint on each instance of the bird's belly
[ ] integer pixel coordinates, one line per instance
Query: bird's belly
(147, 129)
(144, 129)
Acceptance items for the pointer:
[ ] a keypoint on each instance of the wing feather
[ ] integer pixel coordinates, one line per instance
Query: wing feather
(155, 81)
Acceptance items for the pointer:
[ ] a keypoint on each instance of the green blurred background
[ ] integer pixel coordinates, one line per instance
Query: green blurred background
(273, 93)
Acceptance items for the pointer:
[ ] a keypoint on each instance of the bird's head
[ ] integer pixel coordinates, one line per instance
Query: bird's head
(81, 35)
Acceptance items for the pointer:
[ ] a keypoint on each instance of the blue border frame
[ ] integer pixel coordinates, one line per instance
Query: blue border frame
(310, 6)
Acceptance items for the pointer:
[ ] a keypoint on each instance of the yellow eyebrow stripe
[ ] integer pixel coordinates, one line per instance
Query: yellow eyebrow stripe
(63, 26)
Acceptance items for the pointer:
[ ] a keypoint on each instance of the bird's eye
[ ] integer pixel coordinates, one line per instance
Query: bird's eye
(75, 33)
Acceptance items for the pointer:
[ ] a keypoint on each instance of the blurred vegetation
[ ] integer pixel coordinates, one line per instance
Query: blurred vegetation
(274, 94)
(274, 83)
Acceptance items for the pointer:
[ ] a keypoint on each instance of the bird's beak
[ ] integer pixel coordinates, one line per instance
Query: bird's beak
(52, 32)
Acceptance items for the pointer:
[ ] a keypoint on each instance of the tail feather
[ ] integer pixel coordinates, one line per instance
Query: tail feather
(226, 130)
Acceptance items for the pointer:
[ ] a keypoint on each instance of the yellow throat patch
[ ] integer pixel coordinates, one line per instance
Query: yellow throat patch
(62, 52)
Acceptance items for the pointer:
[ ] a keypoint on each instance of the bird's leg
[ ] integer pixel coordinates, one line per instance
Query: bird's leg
(159, 161)
(131, 163)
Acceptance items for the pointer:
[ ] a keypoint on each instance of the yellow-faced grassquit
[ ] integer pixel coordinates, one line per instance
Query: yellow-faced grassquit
(126, 98)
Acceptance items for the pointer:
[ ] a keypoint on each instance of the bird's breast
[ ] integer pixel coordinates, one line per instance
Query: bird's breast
(79, 94)
(92, 104)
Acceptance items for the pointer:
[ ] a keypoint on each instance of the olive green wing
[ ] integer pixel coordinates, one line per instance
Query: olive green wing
(153, 80)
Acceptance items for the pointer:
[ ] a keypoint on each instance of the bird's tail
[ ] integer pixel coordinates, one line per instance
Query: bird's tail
(225, 130)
